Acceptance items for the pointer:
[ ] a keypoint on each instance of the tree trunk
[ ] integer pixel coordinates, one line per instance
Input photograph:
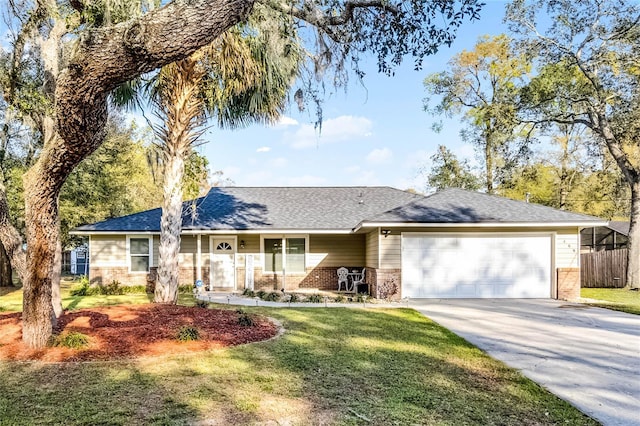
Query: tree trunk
(5, 269)
(10, 238)
(488, 160)
(104, 59)
(41, 218)
(170, 229)
(633, 254)
(56, 274)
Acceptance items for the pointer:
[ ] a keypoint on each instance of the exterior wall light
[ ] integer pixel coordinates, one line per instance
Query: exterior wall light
(385, 232)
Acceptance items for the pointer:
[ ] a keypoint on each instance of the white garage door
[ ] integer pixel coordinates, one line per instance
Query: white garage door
(487, 266)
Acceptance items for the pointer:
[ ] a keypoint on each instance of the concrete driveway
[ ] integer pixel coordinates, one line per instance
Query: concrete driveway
(587, 356)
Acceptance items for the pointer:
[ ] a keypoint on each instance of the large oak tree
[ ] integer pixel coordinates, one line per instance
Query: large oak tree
(99, 57)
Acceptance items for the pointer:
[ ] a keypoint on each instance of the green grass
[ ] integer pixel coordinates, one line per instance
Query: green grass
(11, 299)
(333, 366)
(618, 299)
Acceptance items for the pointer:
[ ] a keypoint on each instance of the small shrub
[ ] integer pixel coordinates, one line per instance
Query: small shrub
(71, 340)
(249, 293)
(202, 304)
(114, 288)
(260, 293)
(314, 298)
(361, 298)
(293, 298)
(339, 299)
(274, 296)
(133, 289)
(185, 289)
(244, 319)
(188, 333)
(82, 288)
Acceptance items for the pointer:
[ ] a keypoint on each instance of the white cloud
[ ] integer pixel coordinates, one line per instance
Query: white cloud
(285, 121)
(334, 130)
(352, 169)
(379, 156)
(263, 149)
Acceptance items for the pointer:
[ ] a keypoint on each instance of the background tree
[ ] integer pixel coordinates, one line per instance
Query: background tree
(105, 55)
(481, 85)
(592, 51)
(449, 172)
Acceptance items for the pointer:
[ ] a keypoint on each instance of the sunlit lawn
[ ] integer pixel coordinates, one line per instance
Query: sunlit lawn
(11, 298)
(618, 299)
(332, 366)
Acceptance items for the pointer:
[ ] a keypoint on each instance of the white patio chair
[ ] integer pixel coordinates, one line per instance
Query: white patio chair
(343, 277)
(358, 279)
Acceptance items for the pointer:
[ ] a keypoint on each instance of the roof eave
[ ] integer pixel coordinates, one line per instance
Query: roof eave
(218, 231)
(478, 224)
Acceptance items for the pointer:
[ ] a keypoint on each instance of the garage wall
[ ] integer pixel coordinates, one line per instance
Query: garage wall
(567, 244)
(390, 250)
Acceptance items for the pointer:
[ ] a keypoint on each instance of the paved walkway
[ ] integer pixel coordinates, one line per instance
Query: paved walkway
(588, 356)
(233, 299)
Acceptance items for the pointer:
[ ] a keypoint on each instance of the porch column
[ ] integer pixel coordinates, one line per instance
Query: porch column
(198, 257)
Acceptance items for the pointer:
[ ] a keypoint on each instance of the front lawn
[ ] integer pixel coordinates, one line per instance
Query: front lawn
(618, 299)
(332, 366)
(11, 298)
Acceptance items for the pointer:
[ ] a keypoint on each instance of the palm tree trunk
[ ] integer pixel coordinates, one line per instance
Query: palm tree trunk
(170, 229)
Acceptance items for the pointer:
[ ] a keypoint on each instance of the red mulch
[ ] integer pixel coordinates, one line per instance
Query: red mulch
(129, 331)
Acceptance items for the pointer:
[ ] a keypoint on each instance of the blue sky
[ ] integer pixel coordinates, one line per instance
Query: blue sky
(373, 135)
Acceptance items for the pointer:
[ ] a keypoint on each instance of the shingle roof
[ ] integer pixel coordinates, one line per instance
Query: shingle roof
(621, 227)
(338, 208)
(263, 208)
(460, 206)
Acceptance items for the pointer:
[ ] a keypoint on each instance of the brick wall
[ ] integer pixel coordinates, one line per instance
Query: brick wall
(104, 276)
(384, 283)
(568, 283)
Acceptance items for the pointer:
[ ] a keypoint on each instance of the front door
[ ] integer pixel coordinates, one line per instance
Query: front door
(223, 270)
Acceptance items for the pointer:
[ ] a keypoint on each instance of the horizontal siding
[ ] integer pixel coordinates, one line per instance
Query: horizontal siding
(336, 250)
(188, 251)
(108, 250)
(390, 255)
(252, 247)
(567, 249)
(156, 250)
(372, 251)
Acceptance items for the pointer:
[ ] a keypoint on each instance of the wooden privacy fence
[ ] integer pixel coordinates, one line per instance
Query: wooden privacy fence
(604, 269)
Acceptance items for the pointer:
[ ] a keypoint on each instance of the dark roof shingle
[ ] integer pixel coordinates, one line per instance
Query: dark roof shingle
(262, 208)
(461, 206)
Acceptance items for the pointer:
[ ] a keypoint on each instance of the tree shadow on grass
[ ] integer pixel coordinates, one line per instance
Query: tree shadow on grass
(397, 367)
(82, 394)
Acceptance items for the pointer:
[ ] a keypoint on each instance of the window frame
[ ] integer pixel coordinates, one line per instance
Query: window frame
(129, 254)
(283, 238)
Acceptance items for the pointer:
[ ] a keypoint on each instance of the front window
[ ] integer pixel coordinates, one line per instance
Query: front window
(293, 260)
(140, 254)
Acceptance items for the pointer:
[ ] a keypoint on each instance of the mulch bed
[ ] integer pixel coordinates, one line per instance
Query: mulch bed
(130, 331)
